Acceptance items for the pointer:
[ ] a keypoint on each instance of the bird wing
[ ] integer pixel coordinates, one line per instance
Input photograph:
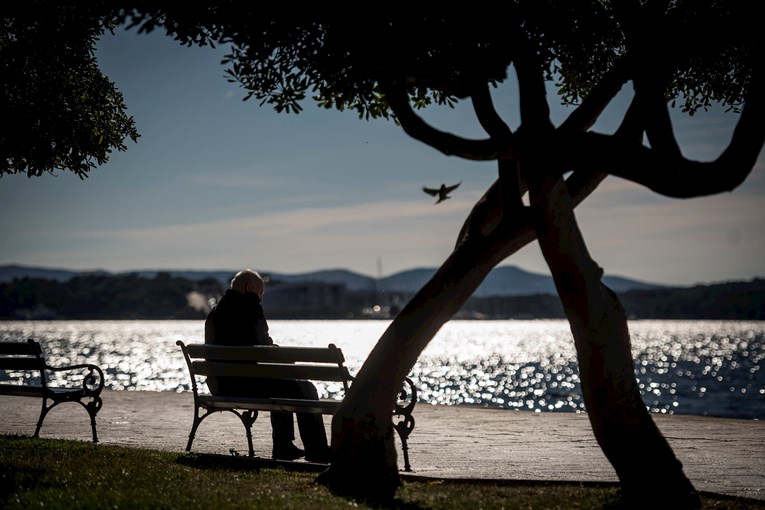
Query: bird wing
(430, 191)
(452, 188)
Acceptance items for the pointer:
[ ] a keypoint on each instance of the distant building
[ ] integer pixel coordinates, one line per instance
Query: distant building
(306, 300)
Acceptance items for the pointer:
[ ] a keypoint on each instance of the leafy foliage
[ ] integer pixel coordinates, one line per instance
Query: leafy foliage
(59, 110)
(282, 59)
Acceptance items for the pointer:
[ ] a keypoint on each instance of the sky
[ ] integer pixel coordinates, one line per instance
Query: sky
(217, 183)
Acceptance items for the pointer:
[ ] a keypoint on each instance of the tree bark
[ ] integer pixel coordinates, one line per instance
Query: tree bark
(621, 423)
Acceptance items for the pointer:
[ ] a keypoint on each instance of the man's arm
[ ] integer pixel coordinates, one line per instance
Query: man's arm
(262, 332)
(209, 331)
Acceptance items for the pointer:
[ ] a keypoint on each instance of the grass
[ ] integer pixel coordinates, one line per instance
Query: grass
(53, 473)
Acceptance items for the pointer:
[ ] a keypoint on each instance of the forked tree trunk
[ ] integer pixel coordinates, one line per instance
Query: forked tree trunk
(364, 462)
(648, 471)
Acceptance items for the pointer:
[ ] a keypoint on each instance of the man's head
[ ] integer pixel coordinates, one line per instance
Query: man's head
(247, 281)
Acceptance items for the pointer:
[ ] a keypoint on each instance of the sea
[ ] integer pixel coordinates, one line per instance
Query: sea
(703, 368)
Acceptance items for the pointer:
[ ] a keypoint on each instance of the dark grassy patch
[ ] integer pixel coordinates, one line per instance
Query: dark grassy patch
(49, 473)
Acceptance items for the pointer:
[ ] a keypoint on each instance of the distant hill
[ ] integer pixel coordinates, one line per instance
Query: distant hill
(509, 293)
(352, 281)
(502, 281)
(8, 273)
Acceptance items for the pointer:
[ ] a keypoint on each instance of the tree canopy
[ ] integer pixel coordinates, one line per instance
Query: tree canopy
(59, 111)
(283, 59)
(64, 114)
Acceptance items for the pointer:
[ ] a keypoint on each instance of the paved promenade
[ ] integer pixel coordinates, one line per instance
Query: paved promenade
(719, 455)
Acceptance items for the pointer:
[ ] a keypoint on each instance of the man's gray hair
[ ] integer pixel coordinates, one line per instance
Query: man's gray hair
(245, 276)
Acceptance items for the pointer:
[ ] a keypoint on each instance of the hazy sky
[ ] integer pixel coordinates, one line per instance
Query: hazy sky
(218, 183)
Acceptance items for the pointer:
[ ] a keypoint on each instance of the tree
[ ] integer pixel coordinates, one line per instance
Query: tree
(392, 64)
(59, 111)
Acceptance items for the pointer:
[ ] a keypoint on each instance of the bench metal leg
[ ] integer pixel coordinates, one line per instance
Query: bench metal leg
(404, 428)
(92, 408)
(403, 407)
(195, 426)
(198, 420)
(248, 418)
(43, 413)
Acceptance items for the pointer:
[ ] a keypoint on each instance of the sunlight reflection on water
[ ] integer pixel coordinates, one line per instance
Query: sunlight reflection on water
(686, 367)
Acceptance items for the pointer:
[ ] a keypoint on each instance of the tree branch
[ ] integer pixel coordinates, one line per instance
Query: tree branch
(631, 128)
(487, 115)
(672, 177)
(653, 108)
(507, 166)
(447, 143)
(535, 112)
(669, 173)
(585, 115)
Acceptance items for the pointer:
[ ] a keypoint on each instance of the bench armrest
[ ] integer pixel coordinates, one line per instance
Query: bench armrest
(93, 380)
(407, 398)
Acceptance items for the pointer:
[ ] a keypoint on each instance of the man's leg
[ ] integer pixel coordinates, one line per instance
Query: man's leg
(283, 428)
(283, 434)
(282, 422)
(311, 427)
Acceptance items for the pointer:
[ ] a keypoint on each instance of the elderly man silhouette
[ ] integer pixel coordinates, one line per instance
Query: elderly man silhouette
(238, 319)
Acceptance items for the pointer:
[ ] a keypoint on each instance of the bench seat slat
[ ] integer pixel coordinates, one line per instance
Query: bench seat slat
(21, 390)
(29, 390)
(10, 363)
(22, 348)
(327, 406)
(272, 370)
(266, 353)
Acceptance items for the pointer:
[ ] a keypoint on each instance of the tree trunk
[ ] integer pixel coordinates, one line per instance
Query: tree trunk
(364, 462)
(622, 425)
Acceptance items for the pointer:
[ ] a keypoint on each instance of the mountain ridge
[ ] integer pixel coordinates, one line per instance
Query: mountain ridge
(502, 281)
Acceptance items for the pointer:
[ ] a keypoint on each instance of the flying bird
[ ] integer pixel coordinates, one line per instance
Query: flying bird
(442, 193)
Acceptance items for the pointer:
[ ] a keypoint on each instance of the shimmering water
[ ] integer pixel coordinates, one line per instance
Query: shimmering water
(709, 368)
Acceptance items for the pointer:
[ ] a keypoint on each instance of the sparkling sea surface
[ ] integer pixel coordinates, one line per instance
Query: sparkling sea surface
(705, 368)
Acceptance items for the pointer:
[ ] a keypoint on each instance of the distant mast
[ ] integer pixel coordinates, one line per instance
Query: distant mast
(378, 291)
(377, 280)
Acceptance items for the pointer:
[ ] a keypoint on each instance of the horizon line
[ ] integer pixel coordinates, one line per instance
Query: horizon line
(359, 273)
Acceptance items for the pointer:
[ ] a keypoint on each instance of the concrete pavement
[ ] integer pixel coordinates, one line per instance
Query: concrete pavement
(723, 456)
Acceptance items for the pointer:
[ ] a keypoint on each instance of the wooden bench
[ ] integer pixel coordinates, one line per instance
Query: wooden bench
(24, 362)
(324, 364)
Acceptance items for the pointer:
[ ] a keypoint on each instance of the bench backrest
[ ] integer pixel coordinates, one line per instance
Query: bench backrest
(16, 356)
(313, 363)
